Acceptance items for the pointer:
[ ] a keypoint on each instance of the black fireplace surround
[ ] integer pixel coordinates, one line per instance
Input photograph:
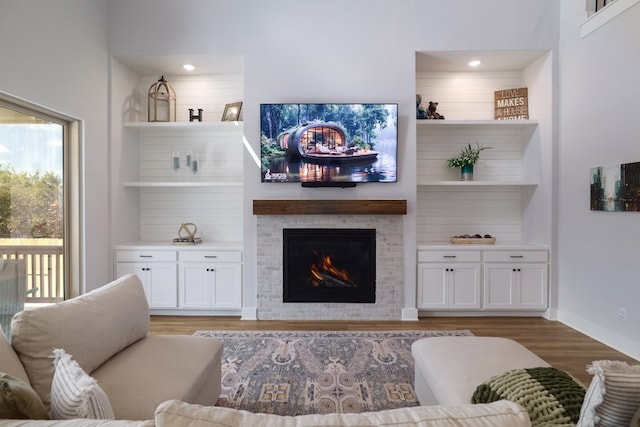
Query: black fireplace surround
(329, 265)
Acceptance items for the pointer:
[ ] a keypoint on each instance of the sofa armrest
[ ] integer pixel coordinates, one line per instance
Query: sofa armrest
(91, 328)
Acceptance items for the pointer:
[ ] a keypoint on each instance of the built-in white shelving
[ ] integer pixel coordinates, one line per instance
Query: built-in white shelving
(478, 124)
(148, 184)
(182, 126)
(463, 184)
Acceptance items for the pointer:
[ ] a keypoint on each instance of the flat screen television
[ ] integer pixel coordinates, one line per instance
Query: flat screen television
(329, 144)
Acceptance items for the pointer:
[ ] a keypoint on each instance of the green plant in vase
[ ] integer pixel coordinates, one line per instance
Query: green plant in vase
(466, 159)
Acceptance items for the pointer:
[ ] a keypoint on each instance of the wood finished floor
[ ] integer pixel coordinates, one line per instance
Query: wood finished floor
(558, 344)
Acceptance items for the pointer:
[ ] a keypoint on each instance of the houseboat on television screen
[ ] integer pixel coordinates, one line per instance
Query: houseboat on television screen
(322, 142)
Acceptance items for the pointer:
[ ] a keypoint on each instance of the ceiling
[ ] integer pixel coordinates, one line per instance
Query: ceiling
(172, 65)
(491, 60)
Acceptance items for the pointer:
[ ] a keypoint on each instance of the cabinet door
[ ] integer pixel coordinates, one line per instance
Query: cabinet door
(227, 280)
(533, 286)
(463, 282)
(195, 285)
(516, 286)
(499, 286)
(140, 270)
(432, 285)
(162, 288)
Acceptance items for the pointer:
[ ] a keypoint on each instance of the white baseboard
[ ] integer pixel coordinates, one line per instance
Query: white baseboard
(249, 313)
(410, 314)
(605, 335)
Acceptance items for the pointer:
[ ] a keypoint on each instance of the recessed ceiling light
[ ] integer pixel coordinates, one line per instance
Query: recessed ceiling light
(189, 67)
(474, 63)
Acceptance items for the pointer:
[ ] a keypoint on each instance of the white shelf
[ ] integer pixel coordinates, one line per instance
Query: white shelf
(157, 184)
(183, 126)
(480, 124)
(477, 183)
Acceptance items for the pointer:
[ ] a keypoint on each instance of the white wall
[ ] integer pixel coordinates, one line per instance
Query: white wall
(599, 260)
(333, 51)
(55, 54)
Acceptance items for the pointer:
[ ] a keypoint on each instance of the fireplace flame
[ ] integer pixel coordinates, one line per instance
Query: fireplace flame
(325, 273)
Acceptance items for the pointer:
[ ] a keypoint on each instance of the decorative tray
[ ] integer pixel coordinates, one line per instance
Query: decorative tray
(472, 240)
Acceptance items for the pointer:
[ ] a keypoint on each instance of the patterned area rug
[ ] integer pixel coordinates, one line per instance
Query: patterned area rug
(295, 373)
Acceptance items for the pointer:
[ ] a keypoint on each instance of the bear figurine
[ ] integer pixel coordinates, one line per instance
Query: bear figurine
(433, 114)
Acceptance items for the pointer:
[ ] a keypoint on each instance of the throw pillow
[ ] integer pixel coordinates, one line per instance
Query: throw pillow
(74, 394)
(19, 401)
(635, 421)
(550, 396)
(613, 396)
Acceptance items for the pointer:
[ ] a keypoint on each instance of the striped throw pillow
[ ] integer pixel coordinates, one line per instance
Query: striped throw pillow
(613, 397)
(74, 394)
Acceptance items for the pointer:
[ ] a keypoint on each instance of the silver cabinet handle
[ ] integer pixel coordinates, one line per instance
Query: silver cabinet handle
(449, 256)
(516, 256)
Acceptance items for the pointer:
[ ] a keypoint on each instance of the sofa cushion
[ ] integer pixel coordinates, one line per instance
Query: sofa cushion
(9, 361)
(550, 396)
(91, 327)
(159, 368)
(19, 401)
(613, 397)
(179, 414)
(452, 367)
(74, 394)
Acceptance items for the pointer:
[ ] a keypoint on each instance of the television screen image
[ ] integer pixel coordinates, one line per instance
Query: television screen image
(329, 143)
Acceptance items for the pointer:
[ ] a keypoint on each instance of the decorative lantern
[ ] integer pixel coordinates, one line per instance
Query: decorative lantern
(162, 102)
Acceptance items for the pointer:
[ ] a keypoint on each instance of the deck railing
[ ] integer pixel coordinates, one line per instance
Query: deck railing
(45, 270)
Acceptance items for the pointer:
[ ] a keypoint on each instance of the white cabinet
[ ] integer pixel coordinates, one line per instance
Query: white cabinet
(157, 271)
(182, 281)
(210, 279)
(483, 280)
(516, 280)
(454, 284)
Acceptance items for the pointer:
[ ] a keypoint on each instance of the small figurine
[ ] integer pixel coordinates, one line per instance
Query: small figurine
(432, 111)
(421, 112)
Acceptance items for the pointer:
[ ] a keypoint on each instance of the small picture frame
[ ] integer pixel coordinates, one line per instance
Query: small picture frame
(232, 112)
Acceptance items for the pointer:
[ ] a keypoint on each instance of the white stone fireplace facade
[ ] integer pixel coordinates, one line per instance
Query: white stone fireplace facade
(389, 269)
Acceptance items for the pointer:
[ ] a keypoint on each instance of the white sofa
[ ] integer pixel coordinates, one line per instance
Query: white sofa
(105, 332)
(174, 413)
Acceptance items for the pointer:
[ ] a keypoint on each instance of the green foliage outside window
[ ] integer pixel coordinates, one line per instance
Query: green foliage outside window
(30, 204)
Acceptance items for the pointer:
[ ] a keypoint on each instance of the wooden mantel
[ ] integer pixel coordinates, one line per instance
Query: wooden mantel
(329, 207)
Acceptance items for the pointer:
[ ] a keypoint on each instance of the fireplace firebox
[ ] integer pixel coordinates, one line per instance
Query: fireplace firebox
(329, 265)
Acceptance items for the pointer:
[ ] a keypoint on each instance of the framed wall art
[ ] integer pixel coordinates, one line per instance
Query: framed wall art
(232, 112)
(616, 188)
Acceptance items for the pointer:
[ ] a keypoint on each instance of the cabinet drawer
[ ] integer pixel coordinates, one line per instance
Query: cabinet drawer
(449, 256)
(516, 256)
(137, 256)
(211, 256)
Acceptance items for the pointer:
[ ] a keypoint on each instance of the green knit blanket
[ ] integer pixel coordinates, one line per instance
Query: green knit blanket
(551, 397)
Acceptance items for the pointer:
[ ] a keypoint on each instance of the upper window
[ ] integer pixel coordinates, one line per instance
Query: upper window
(599, 12)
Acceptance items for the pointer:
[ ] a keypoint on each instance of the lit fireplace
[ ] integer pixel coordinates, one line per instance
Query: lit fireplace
(329, 265)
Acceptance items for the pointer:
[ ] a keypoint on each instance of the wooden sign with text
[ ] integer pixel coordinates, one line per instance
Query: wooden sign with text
(512, 104)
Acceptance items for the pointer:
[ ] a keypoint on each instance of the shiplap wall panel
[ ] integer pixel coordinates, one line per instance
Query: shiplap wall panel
(500, 162)
(211, 93)
(465, 95)
(213, 210)
(219, 153)
(217, 211)
(450, 211)
(445, 211)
